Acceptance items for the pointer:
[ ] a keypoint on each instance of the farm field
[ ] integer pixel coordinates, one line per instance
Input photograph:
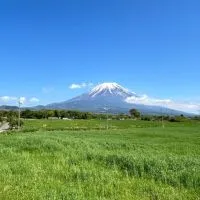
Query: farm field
(50, 125)
(130, 160)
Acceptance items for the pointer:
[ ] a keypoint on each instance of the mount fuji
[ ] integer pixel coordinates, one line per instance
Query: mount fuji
(109, 97)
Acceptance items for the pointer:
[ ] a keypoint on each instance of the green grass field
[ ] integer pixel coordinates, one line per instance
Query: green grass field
(34, 125)
(131, 160)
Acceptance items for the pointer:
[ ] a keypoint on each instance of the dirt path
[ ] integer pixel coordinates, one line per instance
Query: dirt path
(4, 127)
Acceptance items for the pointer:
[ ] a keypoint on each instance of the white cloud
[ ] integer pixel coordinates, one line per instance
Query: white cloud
(79, 86)
(34, 100)
(22, 100)
(147, 100)
(7, 99)
(75, 86)
(15, 100)
(182, 106)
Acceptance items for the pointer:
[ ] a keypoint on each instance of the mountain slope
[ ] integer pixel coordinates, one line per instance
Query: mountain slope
(109, 97)
(6, 107)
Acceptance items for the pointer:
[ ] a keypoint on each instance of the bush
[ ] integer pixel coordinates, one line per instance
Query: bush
(146, 118)
(180, 118)
(13, 122)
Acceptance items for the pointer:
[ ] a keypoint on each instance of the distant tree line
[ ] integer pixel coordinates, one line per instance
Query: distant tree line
(55, 114)
(180, 118)
(12, 116)
(134, 113)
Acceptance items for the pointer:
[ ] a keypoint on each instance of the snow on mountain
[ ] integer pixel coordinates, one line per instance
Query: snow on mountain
(112, 89)
(110, 95)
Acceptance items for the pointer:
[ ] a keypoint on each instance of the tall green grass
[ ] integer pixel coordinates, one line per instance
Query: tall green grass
(50, 125)
(134, 163)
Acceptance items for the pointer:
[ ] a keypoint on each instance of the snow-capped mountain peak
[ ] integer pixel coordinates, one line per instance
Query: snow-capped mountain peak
(113, 89)
(111, 96)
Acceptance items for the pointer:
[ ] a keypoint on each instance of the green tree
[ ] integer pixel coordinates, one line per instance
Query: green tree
(1, 118)
(13, 122)
(57, 113)
(27, 114)
(50, 113)
(134, 113)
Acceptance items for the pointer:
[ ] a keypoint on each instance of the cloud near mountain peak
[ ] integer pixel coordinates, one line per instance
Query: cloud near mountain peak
(80, 85)
(168, 103)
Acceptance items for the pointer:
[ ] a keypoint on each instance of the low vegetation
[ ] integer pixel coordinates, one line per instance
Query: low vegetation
(133, 159)
(12, 117)
(52, 125)
(73, 114)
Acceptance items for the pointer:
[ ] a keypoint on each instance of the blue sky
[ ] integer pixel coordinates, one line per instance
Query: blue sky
(150, 47)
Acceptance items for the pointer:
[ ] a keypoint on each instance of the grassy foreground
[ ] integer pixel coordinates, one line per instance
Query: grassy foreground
(135, 163)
